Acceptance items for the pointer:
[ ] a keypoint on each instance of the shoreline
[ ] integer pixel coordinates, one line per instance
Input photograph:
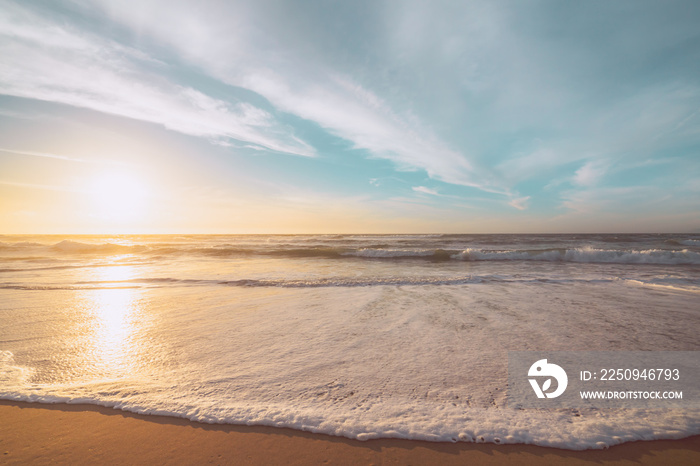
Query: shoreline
(38, 433)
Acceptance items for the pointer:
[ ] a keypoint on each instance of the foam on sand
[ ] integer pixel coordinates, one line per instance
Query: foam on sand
(414, 362)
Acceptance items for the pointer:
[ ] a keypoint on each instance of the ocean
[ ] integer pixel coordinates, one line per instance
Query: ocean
(362, 336)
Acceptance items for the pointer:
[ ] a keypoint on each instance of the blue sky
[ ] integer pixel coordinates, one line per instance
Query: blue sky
(322, 116)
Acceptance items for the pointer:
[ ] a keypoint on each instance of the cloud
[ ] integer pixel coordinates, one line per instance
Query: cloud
(270, 53)
(44, 154)
(44, 187)
(498, 96)
(613, 199)
(348, 110)
(519, 203)
(540, 161)
(60, 157)
(46, 60)
(590, 173)
(423, 189)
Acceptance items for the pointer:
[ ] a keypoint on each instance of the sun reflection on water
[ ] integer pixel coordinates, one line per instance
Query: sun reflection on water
(114, 316)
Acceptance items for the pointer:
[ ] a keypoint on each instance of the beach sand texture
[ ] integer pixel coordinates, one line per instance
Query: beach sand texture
(81, 434)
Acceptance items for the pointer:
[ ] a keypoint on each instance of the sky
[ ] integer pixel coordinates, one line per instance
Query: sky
(172, 116)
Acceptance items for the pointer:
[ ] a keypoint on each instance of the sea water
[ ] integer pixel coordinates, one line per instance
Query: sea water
(362, 336)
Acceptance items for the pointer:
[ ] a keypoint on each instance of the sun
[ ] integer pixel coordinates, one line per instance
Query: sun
(118, 197)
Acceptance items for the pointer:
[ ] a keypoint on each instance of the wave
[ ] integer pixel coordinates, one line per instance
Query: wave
(20, 244)
(339, 282)
(563, 429)
(685, 287)
(59, 267)
(71, 246)
(586, 255)
(373, 250)
(354, 282)
(62, 287)
(352, 410)
(377, 253)
(351, 282)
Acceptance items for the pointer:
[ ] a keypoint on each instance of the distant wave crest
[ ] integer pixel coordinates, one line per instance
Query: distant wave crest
(590, 255)
(672, 256)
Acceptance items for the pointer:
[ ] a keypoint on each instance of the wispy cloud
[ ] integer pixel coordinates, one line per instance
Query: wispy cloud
(612, 199)
(43, 154)
(43, 187)
(535, 107)
(543, 160)
(49, 61)
(519, 203)
(590, 174)
(304, 85)
(424, 190)
(348, 110)
(61, 157)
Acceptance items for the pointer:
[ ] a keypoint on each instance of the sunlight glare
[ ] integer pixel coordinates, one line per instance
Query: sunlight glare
(119, 197)
(114, 311)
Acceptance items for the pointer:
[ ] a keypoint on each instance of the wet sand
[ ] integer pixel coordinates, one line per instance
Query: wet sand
(32, 433)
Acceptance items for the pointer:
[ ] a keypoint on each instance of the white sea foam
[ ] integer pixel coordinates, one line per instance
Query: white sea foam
(622, 250)
(587, 255)
(12, 375)
(296, 334)
(680, 286)
(378, 253)
(415, 362)
(427, 421)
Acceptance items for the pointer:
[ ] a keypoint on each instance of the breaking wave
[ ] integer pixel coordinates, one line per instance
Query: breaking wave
(589, 255)
(684, 254)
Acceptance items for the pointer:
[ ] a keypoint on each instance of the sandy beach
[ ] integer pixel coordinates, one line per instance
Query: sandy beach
(74, 434)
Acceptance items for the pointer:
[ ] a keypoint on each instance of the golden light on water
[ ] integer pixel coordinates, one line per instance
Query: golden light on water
(114, 310)
(113, 274)
(113, 316)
